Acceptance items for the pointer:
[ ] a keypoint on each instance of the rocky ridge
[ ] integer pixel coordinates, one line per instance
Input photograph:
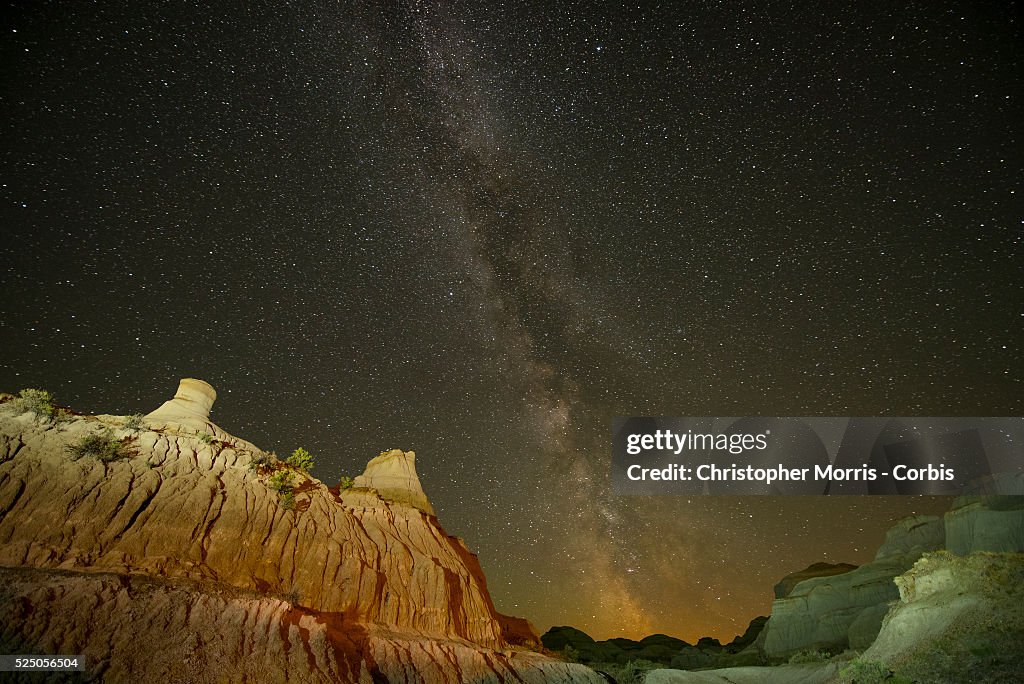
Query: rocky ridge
(180, 554)
(846, 610)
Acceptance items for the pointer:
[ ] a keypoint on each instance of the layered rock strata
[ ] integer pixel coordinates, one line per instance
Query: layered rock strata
(846, 610)
(185, 541)
(959, 618)
(393, 476)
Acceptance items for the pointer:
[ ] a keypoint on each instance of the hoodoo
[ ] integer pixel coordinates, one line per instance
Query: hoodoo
(393, 476)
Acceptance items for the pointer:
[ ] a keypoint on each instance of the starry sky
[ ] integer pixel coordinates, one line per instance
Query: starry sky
(479, 230)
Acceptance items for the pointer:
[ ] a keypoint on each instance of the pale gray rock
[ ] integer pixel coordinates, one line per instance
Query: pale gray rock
(989, 524)
(912, 536)
(814, 673)
(819, 612)
(958, 619)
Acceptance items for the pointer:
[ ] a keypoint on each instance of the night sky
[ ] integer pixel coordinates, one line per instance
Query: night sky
(479, 231)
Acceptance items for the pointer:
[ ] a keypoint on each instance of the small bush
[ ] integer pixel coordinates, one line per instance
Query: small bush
(281, 482)
(570, 654)
(808, 657)
(294, 596)
(205, 437)
(865, 672)
(634, 672)
(261, 460)
(301, 459)
(102, 445)
(133, 422)
(39, 402)
(345, 483)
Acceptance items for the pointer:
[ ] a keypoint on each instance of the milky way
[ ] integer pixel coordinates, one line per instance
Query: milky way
(481, 231)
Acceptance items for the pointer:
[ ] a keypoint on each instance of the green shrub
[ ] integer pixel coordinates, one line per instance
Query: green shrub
(634, 671)
(39, 402)
(866, 672)
(570, 654)
(345, 483)
(262, 460)
(133, 422)
(205, 437)
(301, 459)
(281, 482)
(102, 445)
(808, 657)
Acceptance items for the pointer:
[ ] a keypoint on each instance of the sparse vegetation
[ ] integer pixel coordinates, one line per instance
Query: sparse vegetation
(633, 672)
(861, 671)
(133, 422)
(281, 481)
(205, 437)
(345, 483)
(102, 445)
(569, 654)
(301, 459)
(261, 461)
(809, 657)
(294, 596)
(37, 401)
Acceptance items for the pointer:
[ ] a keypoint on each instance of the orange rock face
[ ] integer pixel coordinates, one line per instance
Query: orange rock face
(187, 536)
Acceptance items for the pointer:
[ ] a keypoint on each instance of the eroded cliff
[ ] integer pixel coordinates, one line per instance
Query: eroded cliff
(178, 552)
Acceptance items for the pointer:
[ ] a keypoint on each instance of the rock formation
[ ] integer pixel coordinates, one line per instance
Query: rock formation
(393, 476)
(955, 615)
(179, 562)
(789, 582)
(824, 612)
(958, 618)
(846, 610)
(657, 648)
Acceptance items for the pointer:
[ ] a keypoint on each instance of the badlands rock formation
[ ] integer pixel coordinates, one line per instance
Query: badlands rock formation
(789, 582)
(955, 615)
(393, 476)
(658, 648)
(959, 618)
(846, 610)
(180, 563)
(834, 612)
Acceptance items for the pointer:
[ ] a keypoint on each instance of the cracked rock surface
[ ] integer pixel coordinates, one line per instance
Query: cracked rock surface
(179, 562)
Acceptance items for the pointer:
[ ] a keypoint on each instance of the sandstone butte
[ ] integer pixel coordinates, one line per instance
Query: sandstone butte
(179, 563)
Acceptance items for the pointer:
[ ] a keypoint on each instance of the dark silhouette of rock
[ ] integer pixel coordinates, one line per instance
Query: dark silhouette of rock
(787, 583)
(658, 648)
(749, 636)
